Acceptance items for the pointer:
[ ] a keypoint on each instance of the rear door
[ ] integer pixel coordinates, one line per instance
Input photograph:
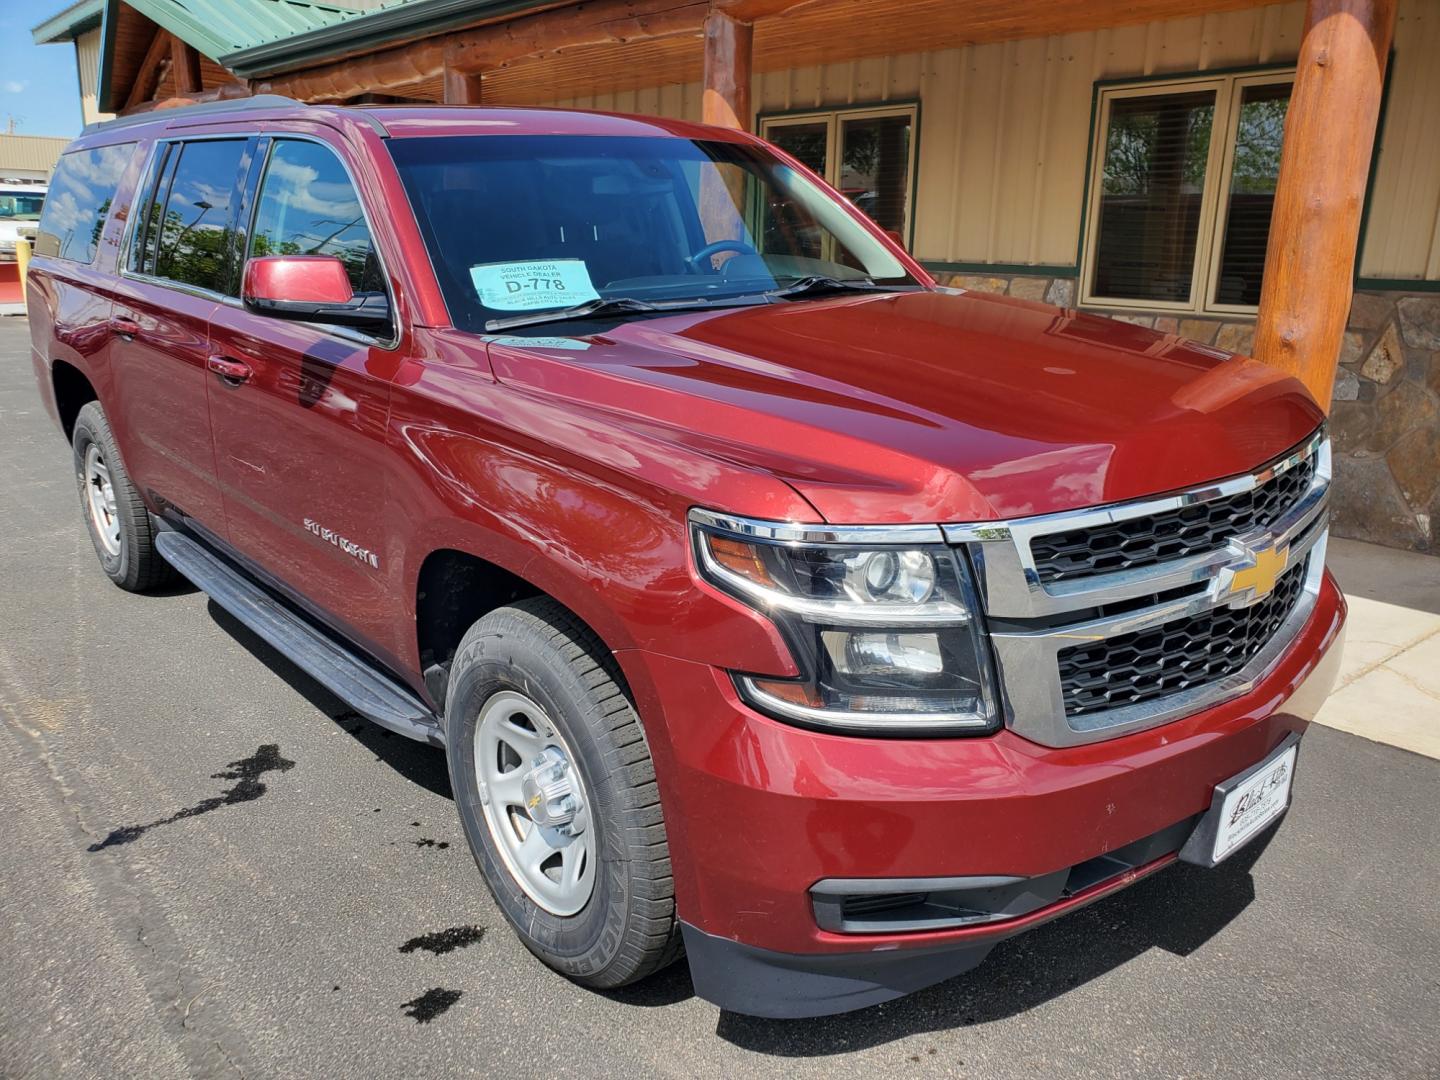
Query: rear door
(300, 442)
(178, 269)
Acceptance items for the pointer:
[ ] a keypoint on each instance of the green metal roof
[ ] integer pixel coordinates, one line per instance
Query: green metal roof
(262, 37)
(398, 20)
(69, 23)
(218, 28)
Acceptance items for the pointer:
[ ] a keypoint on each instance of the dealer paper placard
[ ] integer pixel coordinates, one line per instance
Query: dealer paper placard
(532, 285)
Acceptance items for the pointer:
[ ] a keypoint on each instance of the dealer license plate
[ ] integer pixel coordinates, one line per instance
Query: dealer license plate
(1254, 804)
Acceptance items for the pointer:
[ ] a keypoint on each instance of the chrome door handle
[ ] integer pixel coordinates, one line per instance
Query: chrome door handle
(233, 372)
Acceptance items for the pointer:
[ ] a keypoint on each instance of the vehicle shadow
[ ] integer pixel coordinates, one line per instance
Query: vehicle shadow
(1178, 910)
(180, 586)
(418, 763)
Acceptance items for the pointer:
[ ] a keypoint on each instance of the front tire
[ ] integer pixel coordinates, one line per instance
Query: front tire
(557, 795)
(115, 514)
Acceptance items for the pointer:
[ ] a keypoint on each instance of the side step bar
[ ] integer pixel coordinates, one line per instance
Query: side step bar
(372, 694)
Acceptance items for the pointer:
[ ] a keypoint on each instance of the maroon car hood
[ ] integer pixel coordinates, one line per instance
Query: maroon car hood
(934, 406)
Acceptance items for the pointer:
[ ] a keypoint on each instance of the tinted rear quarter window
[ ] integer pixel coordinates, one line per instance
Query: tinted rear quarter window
(191, 224)
(78, 203)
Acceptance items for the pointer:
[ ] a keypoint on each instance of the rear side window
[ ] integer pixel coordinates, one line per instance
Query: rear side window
(188, 234)
(308, 206)
(78, 202)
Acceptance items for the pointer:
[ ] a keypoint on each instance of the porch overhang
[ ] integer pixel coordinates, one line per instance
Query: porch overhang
(534, 52)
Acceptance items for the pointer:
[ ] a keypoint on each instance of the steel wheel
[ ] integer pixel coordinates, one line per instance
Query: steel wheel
(535, 803)
(100, 495)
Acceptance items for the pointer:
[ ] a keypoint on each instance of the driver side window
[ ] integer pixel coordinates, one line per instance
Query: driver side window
(308, 206)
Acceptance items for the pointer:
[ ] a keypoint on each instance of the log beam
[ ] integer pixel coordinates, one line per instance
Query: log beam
(1324, 165)
(224, 92)
(185, 62)
(484, 48)
(729, 52)
(753, 10)
(151, 71)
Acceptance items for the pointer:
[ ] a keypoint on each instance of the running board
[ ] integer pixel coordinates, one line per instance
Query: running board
(372, 694)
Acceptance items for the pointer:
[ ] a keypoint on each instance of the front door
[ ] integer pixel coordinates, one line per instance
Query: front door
(177, 272)
(300, 441)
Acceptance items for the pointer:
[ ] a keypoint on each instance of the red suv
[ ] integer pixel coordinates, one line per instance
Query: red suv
(769, 601)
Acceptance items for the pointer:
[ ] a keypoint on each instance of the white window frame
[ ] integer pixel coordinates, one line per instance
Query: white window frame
(835, 152)
(1215, 198)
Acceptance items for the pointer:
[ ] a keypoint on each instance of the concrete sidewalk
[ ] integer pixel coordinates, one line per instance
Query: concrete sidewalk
(1389, 687)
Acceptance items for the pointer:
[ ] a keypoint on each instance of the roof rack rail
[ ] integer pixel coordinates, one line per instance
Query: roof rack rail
(204, 108)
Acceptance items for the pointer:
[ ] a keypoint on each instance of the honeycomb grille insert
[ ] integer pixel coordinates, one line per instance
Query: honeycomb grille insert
(1154, 663)
(1174, 534)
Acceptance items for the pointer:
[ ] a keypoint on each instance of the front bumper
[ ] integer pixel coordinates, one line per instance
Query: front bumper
(758, 813)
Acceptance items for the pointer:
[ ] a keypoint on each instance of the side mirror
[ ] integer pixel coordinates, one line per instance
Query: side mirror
(311, 288)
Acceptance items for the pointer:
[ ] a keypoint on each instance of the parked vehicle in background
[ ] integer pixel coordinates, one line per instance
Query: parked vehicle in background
(20, 204)
(768, 601)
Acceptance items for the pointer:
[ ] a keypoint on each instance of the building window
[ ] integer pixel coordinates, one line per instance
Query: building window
(1181, 192)
(868, 155)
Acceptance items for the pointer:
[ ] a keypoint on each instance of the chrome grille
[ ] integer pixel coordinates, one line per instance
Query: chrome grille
(1129, 669)
(1092, 649)
(1187, 530)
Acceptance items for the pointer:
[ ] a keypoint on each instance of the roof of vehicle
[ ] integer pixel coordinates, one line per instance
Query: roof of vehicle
(408, 121)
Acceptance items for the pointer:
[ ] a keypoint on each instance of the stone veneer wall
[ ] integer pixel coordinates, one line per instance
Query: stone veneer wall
(1385, 416)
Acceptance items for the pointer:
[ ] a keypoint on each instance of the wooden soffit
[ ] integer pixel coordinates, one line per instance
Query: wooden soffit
(826, 32)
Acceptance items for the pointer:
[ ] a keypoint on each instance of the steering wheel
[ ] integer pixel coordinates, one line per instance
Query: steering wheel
(700, 257)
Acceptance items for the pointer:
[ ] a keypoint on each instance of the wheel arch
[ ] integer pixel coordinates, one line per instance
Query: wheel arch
(455, 586)
(73, 390)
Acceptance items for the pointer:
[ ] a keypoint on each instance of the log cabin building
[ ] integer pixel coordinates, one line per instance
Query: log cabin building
(1262, 177)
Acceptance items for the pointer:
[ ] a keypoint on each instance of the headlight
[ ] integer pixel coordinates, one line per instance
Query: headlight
(883, 624)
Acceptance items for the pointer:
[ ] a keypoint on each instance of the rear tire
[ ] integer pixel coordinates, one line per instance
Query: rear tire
(540, 678)
(115, 514)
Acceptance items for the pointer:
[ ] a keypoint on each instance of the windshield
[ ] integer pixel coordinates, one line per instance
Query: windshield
(537, 223)
(26, 207)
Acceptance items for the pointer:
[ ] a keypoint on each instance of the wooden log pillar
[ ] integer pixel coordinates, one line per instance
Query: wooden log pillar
(461, 87)
(729, 44)
(151, 72)
(185, 62)
(1324, 165)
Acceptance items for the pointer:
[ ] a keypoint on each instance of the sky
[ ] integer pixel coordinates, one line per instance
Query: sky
(38, 85)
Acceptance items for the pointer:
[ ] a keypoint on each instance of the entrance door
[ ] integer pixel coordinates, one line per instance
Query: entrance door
(300, 441)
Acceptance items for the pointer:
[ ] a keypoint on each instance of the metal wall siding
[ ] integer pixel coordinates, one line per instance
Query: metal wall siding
(678, 101)
(87, 59)
(1402, 234)
(29, 153)
(1005, 127)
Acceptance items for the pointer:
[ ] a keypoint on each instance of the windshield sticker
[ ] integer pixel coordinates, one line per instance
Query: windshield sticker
(530, 286)
(520, 342)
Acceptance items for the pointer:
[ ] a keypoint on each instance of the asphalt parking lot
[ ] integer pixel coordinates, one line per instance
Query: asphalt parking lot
(210, 868)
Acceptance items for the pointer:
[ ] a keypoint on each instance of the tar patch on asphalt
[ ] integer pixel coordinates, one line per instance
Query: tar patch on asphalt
(248, 787)
(444, 941)
(430, 1004)
(425, 842)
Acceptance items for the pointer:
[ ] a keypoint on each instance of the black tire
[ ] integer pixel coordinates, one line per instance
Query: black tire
(627, 928)
(136, 566)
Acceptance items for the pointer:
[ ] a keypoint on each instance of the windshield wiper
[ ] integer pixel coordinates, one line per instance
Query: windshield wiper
(619, 305)
(820, 283)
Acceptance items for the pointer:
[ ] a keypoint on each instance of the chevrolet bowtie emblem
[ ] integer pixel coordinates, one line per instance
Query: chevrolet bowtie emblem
(1266, 564)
